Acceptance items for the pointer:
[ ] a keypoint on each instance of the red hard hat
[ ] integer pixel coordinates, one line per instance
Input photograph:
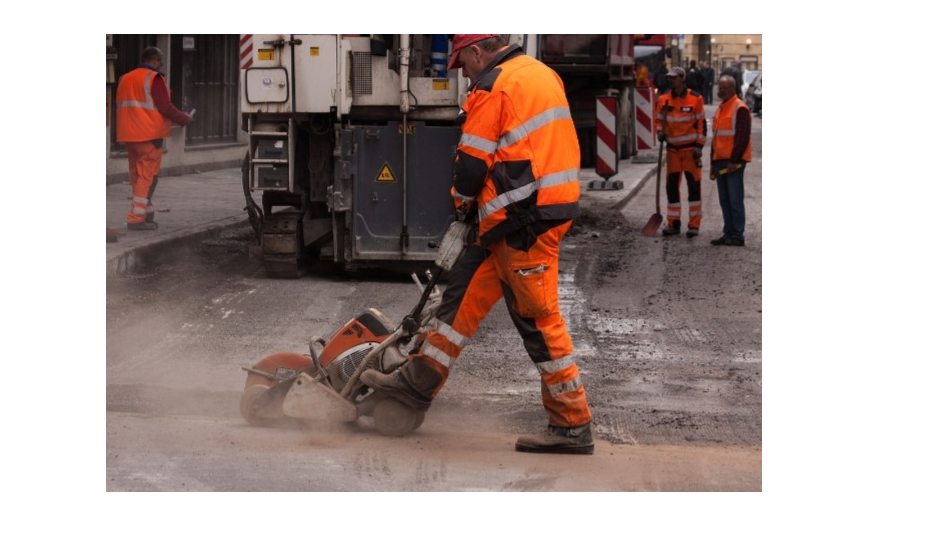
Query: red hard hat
(463, 40)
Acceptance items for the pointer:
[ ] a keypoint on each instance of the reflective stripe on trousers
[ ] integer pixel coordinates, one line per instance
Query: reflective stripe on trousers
(144, 162)
(682, 162)
(528, 283)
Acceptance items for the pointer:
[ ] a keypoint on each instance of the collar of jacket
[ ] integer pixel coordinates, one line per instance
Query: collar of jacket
(504, 54)
(150, 67)
(733, 97)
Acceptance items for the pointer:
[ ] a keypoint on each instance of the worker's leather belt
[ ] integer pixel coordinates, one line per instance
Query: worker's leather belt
(682, 147)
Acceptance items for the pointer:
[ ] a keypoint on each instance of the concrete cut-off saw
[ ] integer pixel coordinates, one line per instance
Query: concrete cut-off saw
(325, 385)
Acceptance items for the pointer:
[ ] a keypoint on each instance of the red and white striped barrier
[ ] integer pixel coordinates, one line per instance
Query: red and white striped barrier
(644, 118)
(246, 51)
(607, 152)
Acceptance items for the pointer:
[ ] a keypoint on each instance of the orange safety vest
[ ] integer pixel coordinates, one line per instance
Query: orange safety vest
(136, 117)
(684, 123)
(518, 124)
(724, 127)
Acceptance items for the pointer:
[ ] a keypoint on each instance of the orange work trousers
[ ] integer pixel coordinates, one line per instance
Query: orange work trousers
(526, 276)
(682, 162)
(144, 162)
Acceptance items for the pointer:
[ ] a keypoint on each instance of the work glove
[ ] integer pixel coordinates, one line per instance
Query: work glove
(697, 152)
(661, 137)
(461, 212)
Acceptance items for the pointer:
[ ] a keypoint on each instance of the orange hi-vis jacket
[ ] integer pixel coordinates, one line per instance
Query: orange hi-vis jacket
(137, 118)
(724, 128)
(518, 156)
(684, 119)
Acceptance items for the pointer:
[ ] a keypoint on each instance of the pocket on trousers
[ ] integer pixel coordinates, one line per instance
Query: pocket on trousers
(531, 284)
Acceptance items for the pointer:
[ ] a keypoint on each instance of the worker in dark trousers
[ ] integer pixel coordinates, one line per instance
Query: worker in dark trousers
(681, 124)
(730, 153)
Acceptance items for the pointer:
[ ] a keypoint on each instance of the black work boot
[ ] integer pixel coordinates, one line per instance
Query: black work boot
(674, 229)
(142, 226)
(394, 384)
(559, 440)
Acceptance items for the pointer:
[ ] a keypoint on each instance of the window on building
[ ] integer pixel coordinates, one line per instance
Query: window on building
(749, 63)
(206, 79)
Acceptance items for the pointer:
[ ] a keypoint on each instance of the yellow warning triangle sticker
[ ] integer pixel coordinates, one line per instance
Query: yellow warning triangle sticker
(385, 174)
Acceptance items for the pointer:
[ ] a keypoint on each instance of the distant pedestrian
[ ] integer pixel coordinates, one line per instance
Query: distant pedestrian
(757, 90)
(143, 118)
(681, 122)
(734, 71)
(661, 79)
(693, 79)
(708, 74)
(730, 153)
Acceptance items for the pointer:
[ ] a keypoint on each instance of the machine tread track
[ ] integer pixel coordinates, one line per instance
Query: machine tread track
(280, 244)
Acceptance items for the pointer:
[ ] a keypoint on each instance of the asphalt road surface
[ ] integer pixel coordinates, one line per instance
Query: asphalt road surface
(668, 332)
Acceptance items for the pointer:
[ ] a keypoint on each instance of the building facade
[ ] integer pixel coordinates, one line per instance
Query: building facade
(202, 74)
(747, 49)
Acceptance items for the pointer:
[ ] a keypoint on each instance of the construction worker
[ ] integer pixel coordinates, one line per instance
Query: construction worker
(144, 114)
(517, 165)
(730, 153)
(641, 76)
(680, 123)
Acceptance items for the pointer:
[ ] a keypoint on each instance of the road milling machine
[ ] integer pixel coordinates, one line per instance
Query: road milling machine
(351, 144)
(352, 137)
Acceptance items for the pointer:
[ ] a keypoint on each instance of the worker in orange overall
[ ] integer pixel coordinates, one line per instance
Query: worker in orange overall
(680, 122)
(517, 165)
(144, 114)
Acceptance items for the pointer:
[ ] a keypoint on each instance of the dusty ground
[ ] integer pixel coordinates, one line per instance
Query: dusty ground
(668, 332)
(683, 322)
(672, 365)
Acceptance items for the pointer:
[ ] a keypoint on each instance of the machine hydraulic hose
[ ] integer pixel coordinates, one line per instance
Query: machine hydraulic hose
(404, 50)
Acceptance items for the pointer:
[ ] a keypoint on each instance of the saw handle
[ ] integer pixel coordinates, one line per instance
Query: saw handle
(410, 324)
(451, 247)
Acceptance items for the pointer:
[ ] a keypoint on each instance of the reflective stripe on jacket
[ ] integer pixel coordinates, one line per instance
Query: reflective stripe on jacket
(136, 117)
(518, 154)
(724, 127)
(683, 118)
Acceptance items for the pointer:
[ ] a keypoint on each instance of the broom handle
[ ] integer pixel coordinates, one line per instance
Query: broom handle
(661, 147)
(658, 178)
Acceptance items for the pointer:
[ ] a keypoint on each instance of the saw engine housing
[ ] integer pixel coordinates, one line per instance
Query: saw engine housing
(349, 345)
(323, 386)
(326, 385)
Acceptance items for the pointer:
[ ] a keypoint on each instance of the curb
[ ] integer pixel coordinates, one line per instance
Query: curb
(625, 200)
(139, 258)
